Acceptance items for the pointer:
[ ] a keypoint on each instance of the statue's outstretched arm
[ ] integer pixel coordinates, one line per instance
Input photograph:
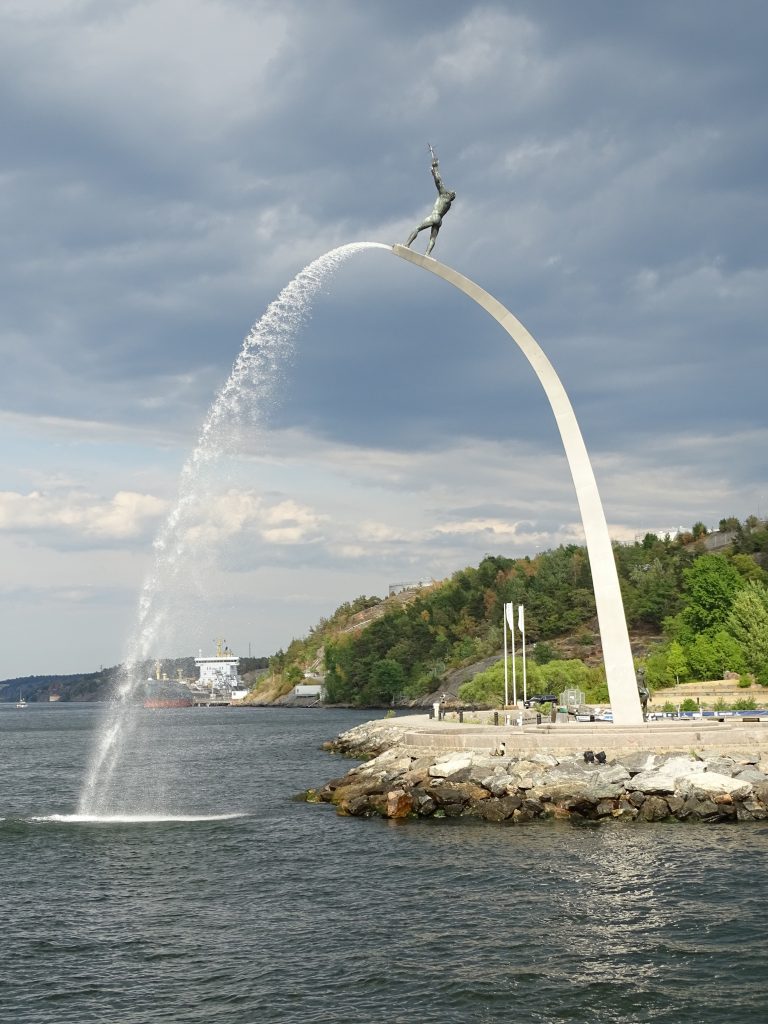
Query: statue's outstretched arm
(438, 180)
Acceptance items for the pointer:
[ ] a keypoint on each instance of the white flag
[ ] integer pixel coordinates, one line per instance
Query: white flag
(520, 619)
(510, 613)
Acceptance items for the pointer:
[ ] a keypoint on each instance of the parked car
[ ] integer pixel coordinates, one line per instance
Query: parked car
(540, 698)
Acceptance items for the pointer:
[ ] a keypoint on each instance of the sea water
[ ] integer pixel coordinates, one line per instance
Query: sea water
(243, 906)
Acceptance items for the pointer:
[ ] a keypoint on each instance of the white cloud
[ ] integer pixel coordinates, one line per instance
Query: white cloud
(219, 518)
(84, 517)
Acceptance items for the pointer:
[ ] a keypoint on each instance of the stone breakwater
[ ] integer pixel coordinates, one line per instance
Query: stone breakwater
(399, 782)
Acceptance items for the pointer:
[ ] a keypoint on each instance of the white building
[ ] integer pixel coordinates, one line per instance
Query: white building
(315, 690)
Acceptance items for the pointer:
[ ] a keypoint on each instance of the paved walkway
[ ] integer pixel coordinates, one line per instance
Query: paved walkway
(421, 732)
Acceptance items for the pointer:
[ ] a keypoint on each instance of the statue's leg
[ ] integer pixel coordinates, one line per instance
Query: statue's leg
(420, 227)
(432, 238)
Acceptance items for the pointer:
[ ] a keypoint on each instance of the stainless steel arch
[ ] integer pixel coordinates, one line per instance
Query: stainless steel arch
(617, 654)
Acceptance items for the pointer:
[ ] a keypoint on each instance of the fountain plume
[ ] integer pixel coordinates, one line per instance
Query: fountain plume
(245, 395)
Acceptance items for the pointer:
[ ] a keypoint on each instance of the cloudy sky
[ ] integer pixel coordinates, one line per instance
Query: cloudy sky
(168, 166)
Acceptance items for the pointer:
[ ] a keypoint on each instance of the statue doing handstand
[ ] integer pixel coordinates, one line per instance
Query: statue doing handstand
(643, 691)
(439, 210)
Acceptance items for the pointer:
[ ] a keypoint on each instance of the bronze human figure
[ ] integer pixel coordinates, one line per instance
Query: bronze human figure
(643, 691)
(439, 210)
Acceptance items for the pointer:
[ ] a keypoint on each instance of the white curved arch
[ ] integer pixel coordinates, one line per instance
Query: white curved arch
(617, 654)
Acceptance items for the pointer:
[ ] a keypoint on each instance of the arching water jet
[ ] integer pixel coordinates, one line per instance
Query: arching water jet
(246, 393)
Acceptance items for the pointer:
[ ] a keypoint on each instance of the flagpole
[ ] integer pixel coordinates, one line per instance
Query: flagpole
(506, 676)
(521, 623)
(514, 670)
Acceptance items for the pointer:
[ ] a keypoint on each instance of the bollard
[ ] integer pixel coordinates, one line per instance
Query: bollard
(495, 717)
(538, 718)
(431, 713)
(436, 711)
(461, 716)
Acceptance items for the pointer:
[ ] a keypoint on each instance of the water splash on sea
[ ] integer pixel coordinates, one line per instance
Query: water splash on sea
(244, 397)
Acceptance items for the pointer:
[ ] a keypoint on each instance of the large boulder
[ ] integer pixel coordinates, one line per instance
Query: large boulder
(612, 773)
(709, 785)
(666, 778)
(751, 774)
(655, 808)
(456, 794)
(451, 766)
(496, 810)
(501, 784)
(399, 803)
(641, 761)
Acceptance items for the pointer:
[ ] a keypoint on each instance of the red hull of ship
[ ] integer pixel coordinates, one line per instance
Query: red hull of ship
(175, 702)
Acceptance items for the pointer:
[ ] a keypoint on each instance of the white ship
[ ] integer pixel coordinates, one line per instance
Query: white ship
(219, 679)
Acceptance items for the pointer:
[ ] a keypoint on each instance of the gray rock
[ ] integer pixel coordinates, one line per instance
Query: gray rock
(711, 784)
(640, 761)
(546, 760)
(696, 808)
(752, 775)
(500, 785)
(424, 803)
(605, 808)
(448, 793)
(654, 782)
(602, 790)
(447, 767)
(655, 808)
(721, 765)
(675, 803)
(532, 805)
(496, 810)
(613, 773)
(758, 811)
(484, 766)
(667, 778)
(626, 810)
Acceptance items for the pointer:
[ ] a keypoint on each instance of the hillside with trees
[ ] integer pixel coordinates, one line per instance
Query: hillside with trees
(696, 606)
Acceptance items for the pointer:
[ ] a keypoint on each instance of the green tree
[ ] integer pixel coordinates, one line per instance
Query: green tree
(748, 623)
(386, 683)
(712, 654)
(676, 662)
(488, 687)
(710, 585)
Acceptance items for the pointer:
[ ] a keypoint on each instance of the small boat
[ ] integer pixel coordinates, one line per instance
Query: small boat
(21, 703)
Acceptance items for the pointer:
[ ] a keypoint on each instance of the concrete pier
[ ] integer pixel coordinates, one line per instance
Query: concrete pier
(424, 734)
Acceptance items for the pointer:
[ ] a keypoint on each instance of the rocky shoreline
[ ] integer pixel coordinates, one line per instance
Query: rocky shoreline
(401, 782)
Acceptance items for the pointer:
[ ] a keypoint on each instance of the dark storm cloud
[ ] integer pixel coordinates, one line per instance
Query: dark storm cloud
(608, 162)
